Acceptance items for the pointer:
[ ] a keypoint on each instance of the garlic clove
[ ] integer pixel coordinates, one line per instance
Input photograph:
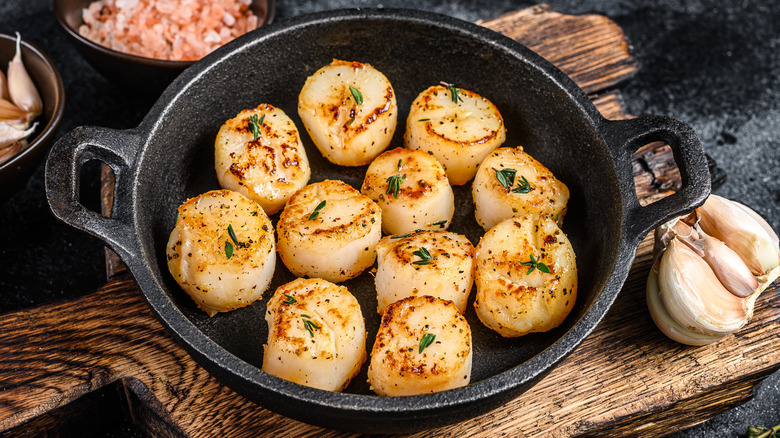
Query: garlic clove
(11, 113)
(20, 87)
(728, 266)
(6, 153)
(10, 135)
(731, 224)
(4, 87)
(666, 323)
(694, 297)
(761, 221)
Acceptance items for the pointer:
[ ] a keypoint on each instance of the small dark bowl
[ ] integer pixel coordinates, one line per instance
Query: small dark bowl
(15, 172)
(136, 73)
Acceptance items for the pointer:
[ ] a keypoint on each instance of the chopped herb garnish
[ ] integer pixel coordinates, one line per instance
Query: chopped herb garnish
(424, 120)
(523, 186)
(228, 249)
(424, 255)
(316, 213)
(356, 94)
(426, 341)
(400, 236)
(289, 299)
(309, 325)
(399, 164)
(440, 223)
(394, 184)
(254, 125)
(506, 177)
(556, 217)
(233, 235)
(350, 121)
(453, 92)
(262, 118)
(533, 264)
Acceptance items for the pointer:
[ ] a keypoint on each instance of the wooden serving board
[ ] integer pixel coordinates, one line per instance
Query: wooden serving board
(58, 362)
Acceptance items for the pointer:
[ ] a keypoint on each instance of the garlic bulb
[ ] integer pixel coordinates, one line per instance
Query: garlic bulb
(710, 267)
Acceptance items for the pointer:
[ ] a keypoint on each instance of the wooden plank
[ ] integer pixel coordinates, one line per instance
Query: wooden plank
(591, 49)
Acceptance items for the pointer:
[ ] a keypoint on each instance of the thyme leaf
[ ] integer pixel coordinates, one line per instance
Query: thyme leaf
(289, 299)
(316, 213)
(441, 223)
(506, 177)
(356, 95)
(233, 235)
(426, 341)
(228, 249)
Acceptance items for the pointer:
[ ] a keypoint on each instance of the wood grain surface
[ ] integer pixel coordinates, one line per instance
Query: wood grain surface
(625, 379)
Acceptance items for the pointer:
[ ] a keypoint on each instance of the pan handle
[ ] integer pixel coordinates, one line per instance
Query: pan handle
(118, 149)
(624, 137)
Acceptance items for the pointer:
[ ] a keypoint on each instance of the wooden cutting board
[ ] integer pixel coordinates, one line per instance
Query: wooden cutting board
(62, 364)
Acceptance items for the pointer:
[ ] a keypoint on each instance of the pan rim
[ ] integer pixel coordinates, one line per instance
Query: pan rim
(218, 360)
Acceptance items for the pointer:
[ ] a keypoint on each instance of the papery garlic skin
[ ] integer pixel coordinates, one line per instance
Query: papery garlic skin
(730, 223)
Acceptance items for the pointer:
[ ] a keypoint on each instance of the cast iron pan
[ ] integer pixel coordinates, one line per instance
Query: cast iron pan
(169, 158)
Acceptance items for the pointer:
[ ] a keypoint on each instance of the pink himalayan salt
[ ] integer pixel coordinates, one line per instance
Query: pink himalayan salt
(178, 30)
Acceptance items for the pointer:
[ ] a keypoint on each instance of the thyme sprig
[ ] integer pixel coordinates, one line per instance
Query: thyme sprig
(533, 264)
(506, 177)
(316, 213)
(254, 125)
(523, 186)
(424, 255)
(453, 92)
(309, 325)
(394, 184)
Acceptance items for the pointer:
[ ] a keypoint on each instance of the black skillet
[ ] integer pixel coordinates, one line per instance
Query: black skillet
(169, 157)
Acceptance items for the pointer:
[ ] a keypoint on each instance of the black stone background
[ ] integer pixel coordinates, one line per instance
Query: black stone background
(711, 63)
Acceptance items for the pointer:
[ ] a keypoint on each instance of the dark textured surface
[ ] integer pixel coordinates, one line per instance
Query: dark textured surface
(711, 64)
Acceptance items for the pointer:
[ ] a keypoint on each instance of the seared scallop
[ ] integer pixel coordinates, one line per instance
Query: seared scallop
(221, 251)
(350, 112)
(329, 230)
(412, 190)
(423, 346)
(437, 263)
(526, 276)
(316, 334)
(259, 154)
(512, 183)
(458, 126)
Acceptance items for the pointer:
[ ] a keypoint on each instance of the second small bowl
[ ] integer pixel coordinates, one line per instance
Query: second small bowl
(15, 172)
(137, 73)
